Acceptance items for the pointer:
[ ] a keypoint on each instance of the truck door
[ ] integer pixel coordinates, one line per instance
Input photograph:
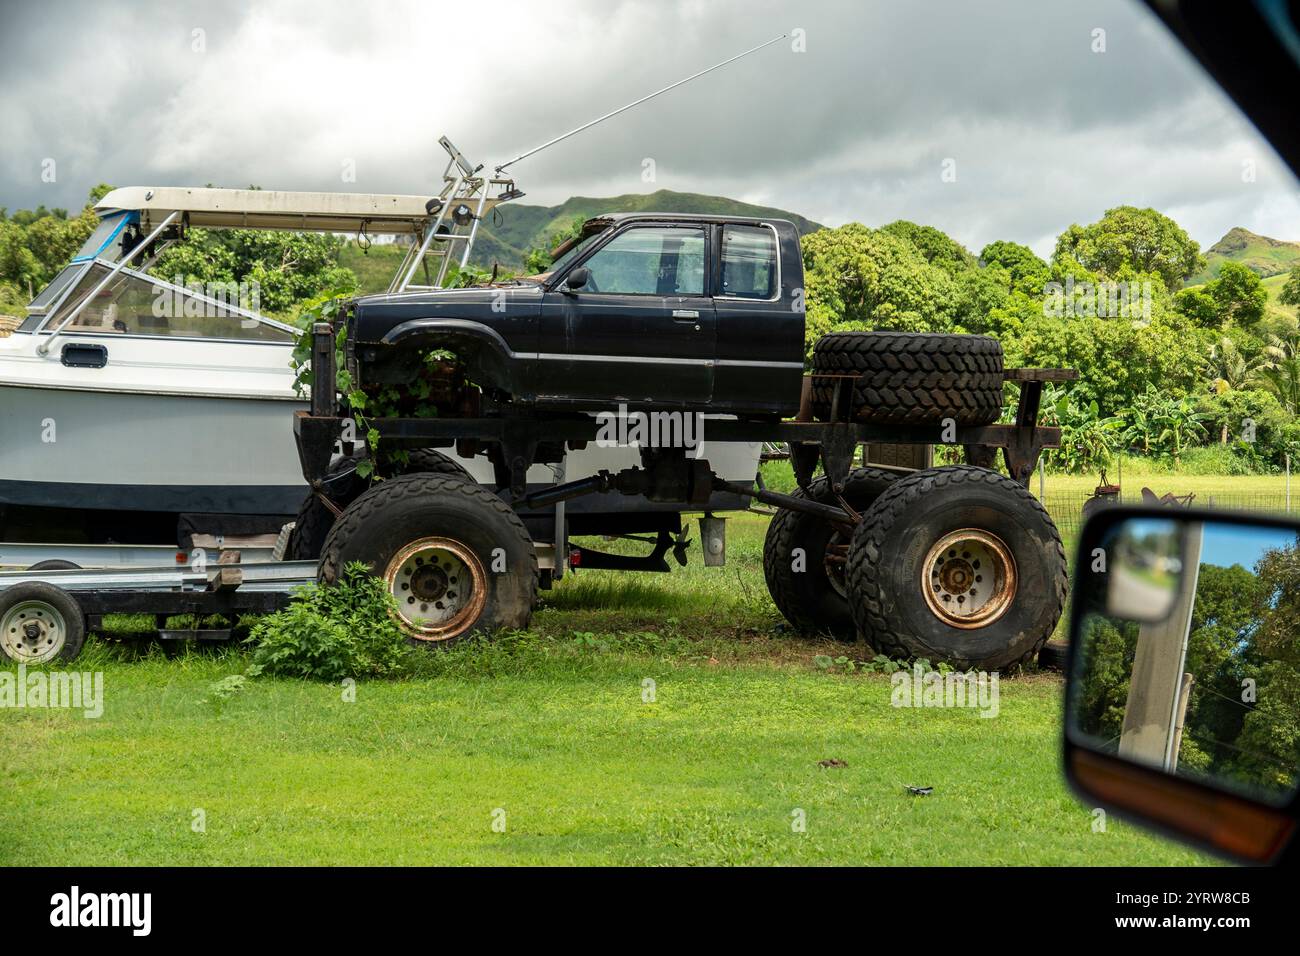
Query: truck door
(642, 330)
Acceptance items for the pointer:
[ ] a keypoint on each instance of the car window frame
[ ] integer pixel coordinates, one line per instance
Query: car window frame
(706, 286)
(776, 252)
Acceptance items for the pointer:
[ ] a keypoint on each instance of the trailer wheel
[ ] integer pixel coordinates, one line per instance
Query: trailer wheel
(315, 520)
(40, 622)
(804, 557)
(960, 565)
(911, 377)
(454, 556)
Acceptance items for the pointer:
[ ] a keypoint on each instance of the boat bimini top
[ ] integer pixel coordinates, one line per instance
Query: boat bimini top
(272, 209)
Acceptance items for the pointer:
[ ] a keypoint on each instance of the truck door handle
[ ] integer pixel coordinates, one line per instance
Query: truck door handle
(686, 314)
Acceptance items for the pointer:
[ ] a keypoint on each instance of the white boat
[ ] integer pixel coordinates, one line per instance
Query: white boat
(129, 403)
(123, 392)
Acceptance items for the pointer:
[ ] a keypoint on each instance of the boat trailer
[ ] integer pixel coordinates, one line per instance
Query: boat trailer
(46, 614)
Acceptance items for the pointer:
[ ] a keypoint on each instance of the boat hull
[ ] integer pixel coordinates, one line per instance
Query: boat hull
(145, 452)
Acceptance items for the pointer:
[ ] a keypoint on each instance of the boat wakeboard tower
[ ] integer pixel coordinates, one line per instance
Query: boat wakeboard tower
(466, 196)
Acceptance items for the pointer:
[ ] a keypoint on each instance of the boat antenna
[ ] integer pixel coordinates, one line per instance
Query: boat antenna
(601, 119)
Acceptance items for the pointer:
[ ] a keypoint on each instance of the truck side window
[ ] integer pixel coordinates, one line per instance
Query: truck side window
(748, 262)
(650, 260)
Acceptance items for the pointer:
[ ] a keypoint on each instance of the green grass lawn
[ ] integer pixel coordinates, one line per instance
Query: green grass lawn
(551, 729)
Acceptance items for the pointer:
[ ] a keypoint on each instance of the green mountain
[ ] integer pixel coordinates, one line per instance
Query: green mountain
(507, 234)
(1268, 257)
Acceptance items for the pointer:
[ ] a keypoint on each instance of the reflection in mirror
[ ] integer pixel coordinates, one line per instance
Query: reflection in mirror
(1146, 559)
(1210, 688)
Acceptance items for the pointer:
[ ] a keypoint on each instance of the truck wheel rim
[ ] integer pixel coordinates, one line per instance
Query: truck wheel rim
(440, 588)
(33, 632)
(834, 562)
(969, 578)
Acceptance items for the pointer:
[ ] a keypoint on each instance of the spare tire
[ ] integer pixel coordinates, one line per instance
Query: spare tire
(911, 378)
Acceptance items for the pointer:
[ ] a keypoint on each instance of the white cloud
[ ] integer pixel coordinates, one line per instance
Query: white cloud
(1044, 132)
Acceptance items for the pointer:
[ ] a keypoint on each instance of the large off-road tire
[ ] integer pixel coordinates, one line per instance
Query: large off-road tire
(314, 519)
(911, 378)
(430, 461)
(804, 557)
(40, 622)
(957, 564)
(455, 556)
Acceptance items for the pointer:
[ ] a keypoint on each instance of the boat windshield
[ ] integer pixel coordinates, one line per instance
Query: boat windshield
(112, 230)
(49, 296)
(138, 304)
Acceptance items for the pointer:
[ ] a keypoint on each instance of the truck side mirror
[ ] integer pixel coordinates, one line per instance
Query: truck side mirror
(578, 278)
(1184, 657)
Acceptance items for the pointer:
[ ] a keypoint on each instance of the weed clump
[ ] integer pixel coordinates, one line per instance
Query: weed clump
(328, 633)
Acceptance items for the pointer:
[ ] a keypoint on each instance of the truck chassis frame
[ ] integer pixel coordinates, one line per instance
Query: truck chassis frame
(528, 436)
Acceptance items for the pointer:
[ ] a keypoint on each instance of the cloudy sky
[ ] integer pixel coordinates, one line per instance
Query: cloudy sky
(1040, 127)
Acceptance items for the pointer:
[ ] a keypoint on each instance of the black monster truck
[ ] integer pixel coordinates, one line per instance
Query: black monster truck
(699, 315)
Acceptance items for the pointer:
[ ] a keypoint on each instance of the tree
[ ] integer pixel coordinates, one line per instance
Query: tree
(1230, 368)
(19, 266)
(1143, 239)
(538, 259)
(1253, 423)
(1270, 736)
(861, 278)
(1088, 438)
(288, 268)
(1199, 305)
(1291, 290)
(1020, 263)
(978, 295)
(1117, 358)
(1282, 372)
(36, 244)
(1240, 297)
(938, 248)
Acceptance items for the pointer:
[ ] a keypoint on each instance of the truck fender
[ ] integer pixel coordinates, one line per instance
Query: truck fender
(487, 357)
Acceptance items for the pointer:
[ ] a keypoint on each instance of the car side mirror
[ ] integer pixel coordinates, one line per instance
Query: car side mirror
(1181, 710)
(577, 279)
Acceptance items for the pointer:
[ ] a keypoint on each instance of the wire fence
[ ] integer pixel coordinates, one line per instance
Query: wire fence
(1066, 508)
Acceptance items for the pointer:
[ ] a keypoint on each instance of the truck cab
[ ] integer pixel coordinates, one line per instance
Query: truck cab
(651, 310)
